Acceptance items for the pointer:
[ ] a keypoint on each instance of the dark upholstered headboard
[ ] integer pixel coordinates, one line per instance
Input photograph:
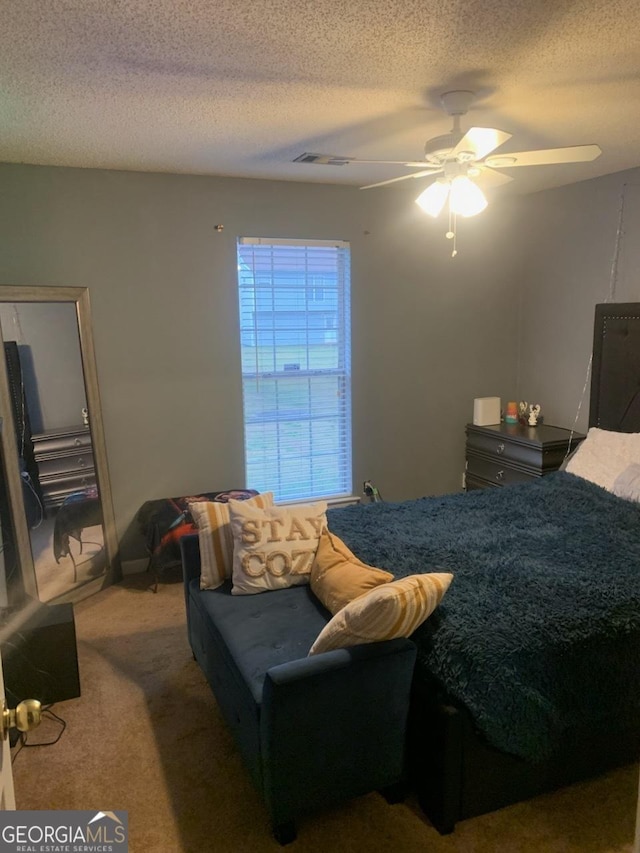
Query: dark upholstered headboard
(615, 372)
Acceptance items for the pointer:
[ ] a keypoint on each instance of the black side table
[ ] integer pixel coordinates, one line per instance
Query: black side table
(501, 454)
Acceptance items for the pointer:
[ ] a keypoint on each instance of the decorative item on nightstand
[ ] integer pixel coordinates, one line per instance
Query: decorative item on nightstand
(511, 413)
(486, 410)
(534, 414)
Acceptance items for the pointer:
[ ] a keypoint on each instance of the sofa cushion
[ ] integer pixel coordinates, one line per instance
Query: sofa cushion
(261, 631)
(274, 546)
(338, 576)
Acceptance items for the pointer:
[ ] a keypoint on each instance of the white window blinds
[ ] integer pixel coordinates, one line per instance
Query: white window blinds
(295, 338)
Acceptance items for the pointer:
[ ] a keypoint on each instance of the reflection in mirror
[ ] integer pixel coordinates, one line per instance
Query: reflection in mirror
(54, 406)
(11, 594)
(37, 640)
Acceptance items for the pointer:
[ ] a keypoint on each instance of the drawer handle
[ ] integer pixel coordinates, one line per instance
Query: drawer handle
(77, 442)
(81, 462)
(500, 447)
(500, 475)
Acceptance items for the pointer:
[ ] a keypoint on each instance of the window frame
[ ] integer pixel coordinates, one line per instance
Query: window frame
(331, 329)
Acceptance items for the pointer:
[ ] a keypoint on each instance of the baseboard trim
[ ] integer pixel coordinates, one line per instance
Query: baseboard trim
(134, 567)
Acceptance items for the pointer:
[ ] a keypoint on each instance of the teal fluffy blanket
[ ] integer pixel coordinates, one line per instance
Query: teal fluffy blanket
(539, 633)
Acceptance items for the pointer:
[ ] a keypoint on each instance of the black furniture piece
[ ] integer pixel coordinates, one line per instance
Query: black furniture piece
(40, 656)
(65, 462)
(32, 490)
(501, 454)
(615, 389)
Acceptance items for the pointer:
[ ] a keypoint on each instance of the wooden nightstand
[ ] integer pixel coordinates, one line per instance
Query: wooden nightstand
(501, 454)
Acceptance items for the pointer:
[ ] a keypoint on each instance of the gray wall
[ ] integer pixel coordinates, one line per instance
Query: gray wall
(428, 333)
(575, 235)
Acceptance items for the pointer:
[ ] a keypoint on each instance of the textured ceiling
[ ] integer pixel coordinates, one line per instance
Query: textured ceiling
(241, 87)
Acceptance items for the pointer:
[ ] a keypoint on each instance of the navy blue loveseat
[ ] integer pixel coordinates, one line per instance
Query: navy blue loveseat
(313, 731)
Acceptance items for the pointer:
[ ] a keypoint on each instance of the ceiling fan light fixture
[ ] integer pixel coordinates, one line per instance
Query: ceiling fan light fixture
(433, 199)
(467, 199)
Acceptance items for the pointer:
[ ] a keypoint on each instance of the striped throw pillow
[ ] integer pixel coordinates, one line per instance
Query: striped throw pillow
(392, 610)
(216, 538)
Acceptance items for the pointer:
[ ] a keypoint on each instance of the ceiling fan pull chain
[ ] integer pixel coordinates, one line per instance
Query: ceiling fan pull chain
(451, 233)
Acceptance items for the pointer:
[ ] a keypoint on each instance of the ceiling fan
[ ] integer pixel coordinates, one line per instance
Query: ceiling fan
(461, 161)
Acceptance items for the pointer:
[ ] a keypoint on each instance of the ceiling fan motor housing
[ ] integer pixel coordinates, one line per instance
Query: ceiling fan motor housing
(455, 104)
(437, 149)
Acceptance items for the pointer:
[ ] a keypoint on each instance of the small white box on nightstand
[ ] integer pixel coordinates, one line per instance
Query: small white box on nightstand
(486, 411)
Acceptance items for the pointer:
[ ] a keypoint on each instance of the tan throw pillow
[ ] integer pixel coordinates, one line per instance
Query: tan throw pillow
(389, 611)
(338, 576)
(216, 539)
(274, 547)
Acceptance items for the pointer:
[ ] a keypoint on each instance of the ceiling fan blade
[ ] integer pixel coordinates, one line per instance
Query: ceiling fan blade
(489, 178)
(412, 164)
(337, 160)
(402, 178)
(545, 156)
(480, 141)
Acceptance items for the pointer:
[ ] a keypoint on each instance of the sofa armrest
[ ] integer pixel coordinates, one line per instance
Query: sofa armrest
(316, 665)
(333, 725)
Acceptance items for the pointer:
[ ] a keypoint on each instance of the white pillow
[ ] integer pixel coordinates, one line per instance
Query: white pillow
(604, 455)
(274, 546)
(627, 484)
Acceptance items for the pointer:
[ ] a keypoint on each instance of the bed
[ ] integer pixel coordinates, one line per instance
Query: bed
(527, 674)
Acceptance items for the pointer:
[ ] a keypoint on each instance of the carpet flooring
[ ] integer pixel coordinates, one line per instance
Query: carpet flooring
(146, 736)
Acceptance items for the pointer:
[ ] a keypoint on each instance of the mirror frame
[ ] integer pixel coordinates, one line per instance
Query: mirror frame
(78, 296)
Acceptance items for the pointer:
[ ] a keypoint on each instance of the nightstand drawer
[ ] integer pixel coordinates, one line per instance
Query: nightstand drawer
(501, 448)
(66, 464)
(495, 472)
(61, 441)
(472, 483)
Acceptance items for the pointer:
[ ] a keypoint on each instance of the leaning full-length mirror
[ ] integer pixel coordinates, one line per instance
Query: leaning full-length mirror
(53, 428)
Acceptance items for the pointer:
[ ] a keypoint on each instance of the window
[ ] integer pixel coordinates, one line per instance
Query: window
(294, 332)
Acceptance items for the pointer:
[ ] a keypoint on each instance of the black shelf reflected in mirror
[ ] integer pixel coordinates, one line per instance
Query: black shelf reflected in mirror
(38, 641)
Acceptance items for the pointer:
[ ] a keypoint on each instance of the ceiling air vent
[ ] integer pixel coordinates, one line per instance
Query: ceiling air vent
(321, 159)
